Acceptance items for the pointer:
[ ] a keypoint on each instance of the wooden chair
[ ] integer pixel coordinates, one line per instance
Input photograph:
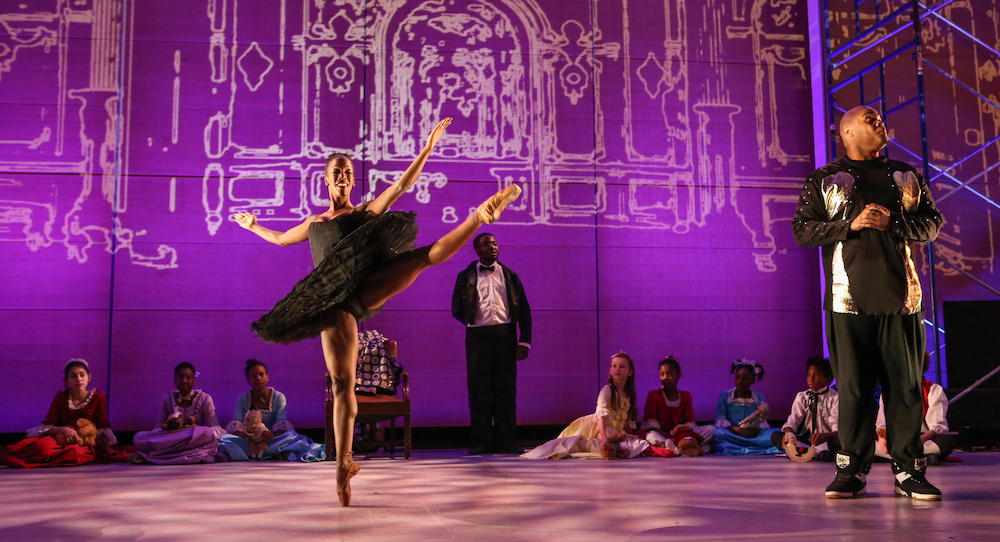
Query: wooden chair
(377, 408)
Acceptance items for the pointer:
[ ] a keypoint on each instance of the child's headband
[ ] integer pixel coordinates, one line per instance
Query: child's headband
(79, 361)
(754, 366)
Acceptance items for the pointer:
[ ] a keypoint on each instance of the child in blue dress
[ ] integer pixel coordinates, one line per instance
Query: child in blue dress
(282, 440)
(741, 414)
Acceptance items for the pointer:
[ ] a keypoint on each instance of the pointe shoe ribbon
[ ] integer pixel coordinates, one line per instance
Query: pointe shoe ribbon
(490, 210)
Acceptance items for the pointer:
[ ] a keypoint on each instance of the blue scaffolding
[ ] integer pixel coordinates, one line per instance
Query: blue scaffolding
(859, 42)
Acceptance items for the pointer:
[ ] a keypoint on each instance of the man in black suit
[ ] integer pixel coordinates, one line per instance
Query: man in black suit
(489, 300)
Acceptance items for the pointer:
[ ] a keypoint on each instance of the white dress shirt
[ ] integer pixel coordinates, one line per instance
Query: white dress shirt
(492, 290)
(827, 412)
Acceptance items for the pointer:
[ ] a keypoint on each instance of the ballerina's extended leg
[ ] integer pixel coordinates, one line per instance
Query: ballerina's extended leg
(398, 273)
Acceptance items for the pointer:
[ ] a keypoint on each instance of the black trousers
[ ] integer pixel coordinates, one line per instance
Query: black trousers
(492, 370)
(945, 443)
(883, 349)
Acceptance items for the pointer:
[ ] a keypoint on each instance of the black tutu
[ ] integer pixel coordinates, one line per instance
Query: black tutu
(300, 314)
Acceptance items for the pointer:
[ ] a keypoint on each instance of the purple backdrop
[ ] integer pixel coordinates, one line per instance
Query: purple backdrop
(661, 146)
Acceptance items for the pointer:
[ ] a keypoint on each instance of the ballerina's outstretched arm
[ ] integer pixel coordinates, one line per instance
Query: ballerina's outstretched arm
(297, 234)
(389, 196)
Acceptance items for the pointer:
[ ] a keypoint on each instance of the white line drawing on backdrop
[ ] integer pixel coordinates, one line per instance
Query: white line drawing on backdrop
(502, 66)
(63, 141)
(629, 119)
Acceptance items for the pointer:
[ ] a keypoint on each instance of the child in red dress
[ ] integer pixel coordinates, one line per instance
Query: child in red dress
(670, 411)
(55, 442)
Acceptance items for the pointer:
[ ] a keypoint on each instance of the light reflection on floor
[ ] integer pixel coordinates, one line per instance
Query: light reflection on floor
(446, 495)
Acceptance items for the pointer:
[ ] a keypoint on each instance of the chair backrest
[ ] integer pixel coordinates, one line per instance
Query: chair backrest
(402, 387)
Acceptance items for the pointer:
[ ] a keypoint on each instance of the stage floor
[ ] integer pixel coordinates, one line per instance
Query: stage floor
(446, 495)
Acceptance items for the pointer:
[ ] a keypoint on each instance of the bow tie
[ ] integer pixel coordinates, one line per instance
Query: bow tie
(812, 403)
(487, 268)
(812, 397)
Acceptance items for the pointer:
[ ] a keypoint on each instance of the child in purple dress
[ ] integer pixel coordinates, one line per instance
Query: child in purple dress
(187, 430)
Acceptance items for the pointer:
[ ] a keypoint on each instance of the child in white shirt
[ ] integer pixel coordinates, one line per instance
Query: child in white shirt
(813, 420)
(937, 444)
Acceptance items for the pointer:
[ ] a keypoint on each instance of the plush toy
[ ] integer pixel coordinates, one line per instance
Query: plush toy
(612, 449)
(690, 447)
(255, 431)
(688, 442)
(792, 450)
(795, 454)
(754, 419)
(176, 422)
(86, 432)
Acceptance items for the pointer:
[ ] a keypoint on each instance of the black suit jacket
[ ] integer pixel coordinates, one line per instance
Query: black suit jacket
(465, 300)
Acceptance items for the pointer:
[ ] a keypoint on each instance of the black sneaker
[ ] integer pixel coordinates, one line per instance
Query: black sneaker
(913, 484)
(480, 450)
(851, 478)
(508, 448)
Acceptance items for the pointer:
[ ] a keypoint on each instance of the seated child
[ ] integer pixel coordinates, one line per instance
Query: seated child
(62, 440)
(610, 427)
(283, 442)
(741, 415)
(813, 420)
(670, 411)
(937, 445)
(187, 429)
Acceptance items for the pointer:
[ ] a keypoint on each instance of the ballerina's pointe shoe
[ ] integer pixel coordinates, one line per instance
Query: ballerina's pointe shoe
(490, 210)
(344, 488)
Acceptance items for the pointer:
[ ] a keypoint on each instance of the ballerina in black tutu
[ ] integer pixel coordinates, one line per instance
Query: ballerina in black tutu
(363, 255)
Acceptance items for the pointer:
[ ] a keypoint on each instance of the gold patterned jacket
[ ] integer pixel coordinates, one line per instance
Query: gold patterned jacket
(869, 271)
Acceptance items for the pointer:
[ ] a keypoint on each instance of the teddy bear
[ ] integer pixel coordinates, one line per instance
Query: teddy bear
(612, 449)
(176, 422)
(256, 433)
(86, 433)
(688, 442)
